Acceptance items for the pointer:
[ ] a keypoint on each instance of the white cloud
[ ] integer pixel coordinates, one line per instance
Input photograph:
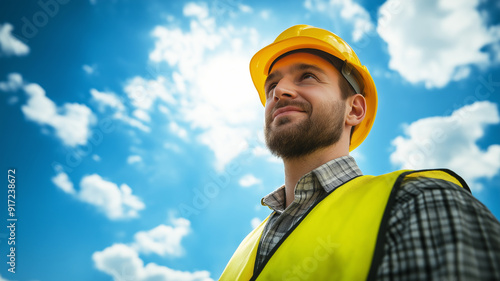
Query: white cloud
(71, 122)
(265, 14)
(218, 95)
(261, 151)
(249, 180)
(14, 82)
(172, 146)
(348, 10)
(163, 240)
(226, 143)
(122, 262)
(143, 93)
(431, 42)
(141, 115)
(358, 155)
(255, 222)
(107, 99)
(115, 202)
(88, 69)
(163, 109)
(10, 45)
(179, 131)
(450, 142)
(12, 100)
(134, 159)
(111, 100)
(132, 122)
(62, 181)
(245, 8)
(96, 157)
(197, 10)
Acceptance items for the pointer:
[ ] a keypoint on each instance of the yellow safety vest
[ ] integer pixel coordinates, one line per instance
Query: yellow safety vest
(341, 238)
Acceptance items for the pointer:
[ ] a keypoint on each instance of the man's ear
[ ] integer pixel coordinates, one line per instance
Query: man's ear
(356, 110)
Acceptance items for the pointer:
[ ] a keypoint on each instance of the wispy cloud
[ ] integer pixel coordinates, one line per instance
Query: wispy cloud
(89, 69)
(10, 45)
(163, 240)
(71, 121)
(107, 99)
(14, 82)
(115, 202)
(134, 159)
(255, 222)
(62, 181)
(143, 93)
(111, 100)
(249, 180)
(348, 10)
(122, 261)
(225, 107)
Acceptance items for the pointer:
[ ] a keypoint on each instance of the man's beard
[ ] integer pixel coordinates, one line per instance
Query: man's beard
(307, 135)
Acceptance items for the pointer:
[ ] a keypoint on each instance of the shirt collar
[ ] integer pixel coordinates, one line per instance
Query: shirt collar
(329, 175)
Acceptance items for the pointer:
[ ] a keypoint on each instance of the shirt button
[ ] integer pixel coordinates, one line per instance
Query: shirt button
(276, 239)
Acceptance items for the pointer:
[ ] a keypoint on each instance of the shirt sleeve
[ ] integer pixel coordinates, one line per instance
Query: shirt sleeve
(439, 231)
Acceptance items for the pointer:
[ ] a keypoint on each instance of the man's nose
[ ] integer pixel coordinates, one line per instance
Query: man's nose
(285, 89)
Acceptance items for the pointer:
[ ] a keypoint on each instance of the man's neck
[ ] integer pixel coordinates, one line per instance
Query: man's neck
(297, 167)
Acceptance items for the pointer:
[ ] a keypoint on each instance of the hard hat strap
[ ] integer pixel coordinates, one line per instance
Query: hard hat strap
(349, 75)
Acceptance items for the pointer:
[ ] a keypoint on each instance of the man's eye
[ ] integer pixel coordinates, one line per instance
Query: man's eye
(308, 75)
(270, 88)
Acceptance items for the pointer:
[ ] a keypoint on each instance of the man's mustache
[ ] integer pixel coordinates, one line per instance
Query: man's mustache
(306, 107)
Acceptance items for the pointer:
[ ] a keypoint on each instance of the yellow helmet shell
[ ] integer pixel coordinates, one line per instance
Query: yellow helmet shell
(306, 36)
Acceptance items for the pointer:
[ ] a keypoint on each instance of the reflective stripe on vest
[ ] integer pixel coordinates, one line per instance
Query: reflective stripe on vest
(336, 240)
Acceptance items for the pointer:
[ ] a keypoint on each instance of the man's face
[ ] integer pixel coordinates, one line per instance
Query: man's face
(304, 109)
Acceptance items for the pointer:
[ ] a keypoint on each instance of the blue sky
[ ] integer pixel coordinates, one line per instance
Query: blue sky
(136, 133)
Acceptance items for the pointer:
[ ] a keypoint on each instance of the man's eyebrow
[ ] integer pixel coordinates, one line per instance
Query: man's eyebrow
(305, 66)
(271, 76)
(296, 67)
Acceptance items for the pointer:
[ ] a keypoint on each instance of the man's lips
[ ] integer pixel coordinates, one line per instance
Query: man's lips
(286, 109)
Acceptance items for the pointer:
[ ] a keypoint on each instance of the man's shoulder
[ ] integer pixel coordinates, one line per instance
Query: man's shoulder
(422, 185)
(428, 194)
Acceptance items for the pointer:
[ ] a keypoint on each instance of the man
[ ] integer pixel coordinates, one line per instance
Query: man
(329, 222)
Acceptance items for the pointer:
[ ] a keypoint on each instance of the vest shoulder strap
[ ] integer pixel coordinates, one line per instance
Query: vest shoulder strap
(442, 174)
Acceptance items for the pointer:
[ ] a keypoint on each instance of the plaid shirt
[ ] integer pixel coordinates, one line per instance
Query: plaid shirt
(436, 231)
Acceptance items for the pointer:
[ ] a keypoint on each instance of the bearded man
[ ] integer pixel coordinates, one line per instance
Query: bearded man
(328, 220)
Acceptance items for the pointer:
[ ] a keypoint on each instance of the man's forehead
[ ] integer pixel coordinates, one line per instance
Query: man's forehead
(298, 62)
(298, 66)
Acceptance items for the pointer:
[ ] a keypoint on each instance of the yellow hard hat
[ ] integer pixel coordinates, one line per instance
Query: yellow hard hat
(309, 37)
